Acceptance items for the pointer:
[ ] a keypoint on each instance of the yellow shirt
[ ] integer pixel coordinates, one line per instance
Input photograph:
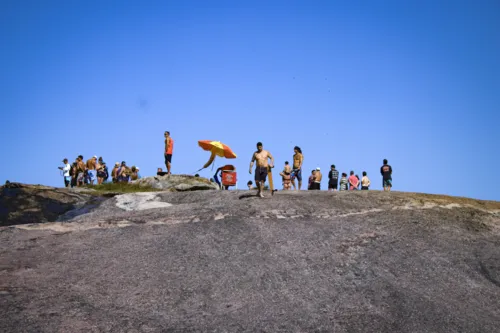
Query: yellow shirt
(365, 181)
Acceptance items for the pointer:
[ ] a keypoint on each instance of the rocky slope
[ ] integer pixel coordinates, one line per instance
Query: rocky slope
(227, 261)
(21, 203)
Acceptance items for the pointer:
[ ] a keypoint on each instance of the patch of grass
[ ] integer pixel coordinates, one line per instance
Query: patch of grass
(120, 188)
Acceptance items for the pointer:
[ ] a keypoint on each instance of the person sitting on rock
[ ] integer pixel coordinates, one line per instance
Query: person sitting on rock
(160, 172)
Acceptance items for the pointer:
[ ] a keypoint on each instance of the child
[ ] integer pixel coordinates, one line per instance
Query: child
(343, 182)
(365, 182)
(249, 184)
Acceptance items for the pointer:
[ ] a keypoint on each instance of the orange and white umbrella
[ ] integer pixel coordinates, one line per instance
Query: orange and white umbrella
(217, 148)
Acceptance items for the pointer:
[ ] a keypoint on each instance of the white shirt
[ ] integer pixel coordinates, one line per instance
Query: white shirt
(66, 169)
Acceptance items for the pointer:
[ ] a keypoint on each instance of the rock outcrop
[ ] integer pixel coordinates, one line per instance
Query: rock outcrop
(177, 183)
(22, 203)
(227, 261)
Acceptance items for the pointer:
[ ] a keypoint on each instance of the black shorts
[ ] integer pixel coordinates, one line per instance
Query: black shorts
(315, 186)
(364, 188)
(168, 158)
(333, 184)
(260, 174)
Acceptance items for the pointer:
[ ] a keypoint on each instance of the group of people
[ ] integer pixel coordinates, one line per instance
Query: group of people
(292, 172)
(94, 170)
(346, 183)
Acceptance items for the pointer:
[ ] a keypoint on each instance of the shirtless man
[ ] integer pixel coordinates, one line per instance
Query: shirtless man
(298, 158)
(91, 169)
(316, 185)
(169, 148)
(80, 168)
(261, 157)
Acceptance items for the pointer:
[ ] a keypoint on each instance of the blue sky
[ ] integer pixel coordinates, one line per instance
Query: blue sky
(350, 82)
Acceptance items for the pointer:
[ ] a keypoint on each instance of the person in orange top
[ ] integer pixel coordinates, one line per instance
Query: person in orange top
(353, 181)
(169, 148)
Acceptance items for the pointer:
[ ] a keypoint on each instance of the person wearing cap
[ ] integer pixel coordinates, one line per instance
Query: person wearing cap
(333, 179)
(66, 175)
(169, 149)
(114, 172)
(91, 169)
(316, 184)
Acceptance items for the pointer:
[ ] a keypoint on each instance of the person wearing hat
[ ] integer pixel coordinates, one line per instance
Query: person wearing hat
(316, 185)
(66, 175)
(91, 169)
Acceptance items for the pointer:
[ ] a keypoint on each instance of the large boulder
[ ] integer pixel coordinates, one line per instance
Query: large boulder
(22, 203)
(177, 183)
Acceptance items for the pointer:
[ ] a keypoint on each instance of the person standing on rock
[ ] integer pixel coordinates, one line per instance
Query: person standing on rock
(91, 169)
(80, 171)
(169, 149)
(312, 177)
(386, 172)
(261, 157)
(344, 182)
(333, 179)
(298, 159)
(316, 184)
(287, 169)
(353, 182)
(365, 182)
(66, 168)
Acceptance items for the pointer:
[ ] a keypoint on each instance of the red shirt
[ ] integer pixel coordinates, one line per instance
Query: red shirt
(353, 180)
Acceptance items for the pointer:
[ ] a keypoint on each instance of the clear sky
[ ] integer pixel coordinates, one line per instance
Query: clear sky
(350, 82)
